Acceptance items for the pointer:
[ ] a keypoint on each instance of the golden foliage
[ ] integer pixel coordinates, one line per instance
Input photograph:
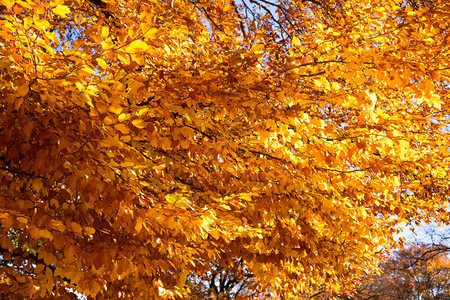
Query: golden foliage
(141, 140)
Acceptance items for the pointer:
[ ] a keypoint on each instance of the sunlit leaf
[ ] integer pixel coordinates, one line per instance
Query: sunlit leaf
(61, 10)
(138, 123)
(115, 108)
(137, 46)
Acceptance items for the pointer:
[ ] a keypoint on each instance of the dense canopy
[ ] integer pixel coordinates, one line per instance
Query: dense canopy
(141, 141)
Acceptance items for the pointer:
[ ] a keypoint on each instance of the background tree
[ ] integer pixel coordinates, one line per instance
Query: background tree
(168, 135)
(419, 272)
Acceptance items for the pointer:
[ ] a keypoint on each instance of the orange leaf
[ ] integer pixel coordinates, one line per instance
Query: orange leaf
(115, 108)
(138, 123)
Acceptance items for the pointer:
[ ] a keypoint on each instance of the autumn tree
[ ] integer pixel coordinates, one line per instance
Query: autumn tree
(143, 141)
(418, 272)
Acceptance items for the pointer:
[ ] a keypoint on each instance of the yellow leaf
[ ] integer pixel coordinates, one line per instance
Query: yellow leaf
(436, 101)
(24, 4)
(61, 10)
(124, 58)
(102, 63)
(151, 32)
(79, 86)
(137, 46)
(322, 82)
(257, 48)
(335, 86)
(123, 117)
(138, 123)
(8, 3)
(143, 111)
(246, 197)
(89, 71)
(106, 45)
(91, 90)
(228, 8)
(105, 31)
(115, 108)
(224, 207)
(295, 41)
(404, 144)
(41, 24)
(372, 97)
(88, 100)
(167, 48)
